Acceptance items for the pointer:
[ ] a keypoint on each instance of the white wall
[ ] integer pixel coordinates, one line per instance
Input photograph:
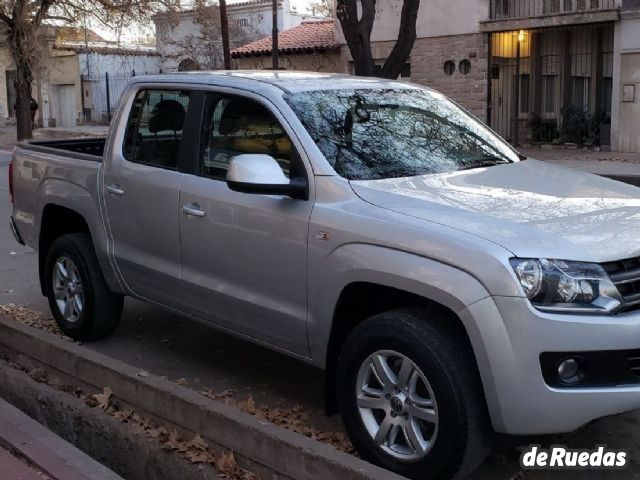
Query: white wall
(118, 64)
(625, 133)
(6, 63)
(436, 18)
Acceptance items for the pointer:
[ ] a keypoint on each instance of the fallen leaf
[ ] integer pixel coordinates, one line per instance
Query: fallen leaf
(39, 375)
(217, 396)
(103, 399)
(226, 463)
(197, 443)
(248, 405)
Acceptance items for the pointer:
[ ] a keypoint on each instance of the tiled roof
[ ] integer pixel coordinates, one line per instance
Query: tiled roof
(309, 36)
(108, 49)
(77, 34)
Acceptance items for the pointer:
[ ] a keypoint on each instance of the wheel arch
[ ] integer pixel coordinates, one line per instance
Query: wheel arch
(359, 301)
(379, 279)
(58, 216)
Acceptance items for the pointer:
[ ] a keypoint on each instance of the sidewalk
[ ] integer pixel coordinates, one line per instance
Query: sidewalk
(619, 166)
(40, 447)
(12, 468)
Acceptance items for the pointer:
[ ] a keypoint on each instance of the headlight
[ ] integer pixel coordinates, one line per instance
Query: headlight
(565, 286)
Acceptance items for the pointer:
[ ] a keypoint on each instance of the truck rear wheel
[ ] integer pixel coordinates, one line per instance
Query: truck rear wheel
(410, 397)
(81, 302)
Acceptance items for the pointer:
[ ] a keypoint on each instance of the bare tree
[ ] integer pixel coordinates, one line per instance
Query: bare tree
(357, 33)
(323, 8)
(25, 20)
(203, 47)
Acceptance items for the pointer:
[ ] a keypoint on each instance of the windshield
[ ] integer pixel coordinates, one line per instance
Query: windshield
(386, 133)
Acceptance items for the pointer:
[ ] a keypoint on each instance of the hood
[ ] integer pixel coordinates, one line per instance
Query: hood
(532, 208)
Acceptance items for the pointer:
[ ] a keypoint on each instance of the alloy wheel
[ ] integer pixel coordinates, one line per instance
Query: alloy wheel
(67, 289)
(397, 405)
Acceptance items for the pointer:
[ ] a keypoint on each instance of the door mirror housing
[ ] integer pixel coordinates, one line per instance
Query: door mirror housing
(261, 174)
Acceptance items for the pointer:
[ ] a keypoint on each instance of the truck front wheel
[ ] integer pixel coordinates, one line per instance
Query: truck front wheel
(81, 302)
(410, 396)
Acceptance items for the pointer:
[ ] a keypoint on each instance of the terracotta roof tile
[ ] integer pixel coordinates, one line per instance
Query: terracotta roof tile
(309, 36)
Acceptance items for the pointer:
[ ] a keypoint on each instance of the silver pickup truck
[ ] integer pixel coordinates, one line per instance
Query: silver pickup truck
(372, 228)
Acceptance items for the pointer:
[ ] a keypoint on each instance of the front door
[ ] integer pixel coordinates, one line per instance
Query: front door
(67, 105)
(244, 256)
(141, 193)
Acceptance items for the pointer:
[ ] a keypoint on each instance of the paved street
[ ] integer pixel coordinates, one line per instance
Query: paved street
(200, 357)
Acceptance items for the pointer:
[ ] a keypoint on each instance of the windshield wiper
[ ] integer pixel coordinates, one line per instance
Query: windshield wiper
(485, 162)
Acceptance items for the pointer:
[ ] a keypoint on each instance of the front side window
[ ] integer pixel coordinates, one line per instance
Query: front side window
(385, 133)
(236, 125)
(154, 129)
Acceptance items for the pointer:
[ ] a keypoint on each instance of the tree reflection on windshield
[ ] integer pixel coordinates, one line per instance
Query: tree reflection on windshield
(388, 133)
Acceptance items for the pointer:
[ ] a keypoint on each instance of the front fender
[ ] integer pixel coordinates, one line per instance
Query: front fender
(329, 276)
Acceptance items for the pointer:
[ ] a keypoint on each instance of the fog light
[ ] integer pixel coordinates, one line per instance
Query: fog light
(568, 370)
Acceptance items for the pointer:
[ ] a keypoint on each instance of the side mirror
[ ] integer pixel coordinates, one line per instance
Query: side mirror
(261, 174)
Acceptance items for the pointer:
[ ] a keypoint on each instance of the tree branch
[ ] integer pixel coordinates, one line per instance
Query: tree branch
(6, 19)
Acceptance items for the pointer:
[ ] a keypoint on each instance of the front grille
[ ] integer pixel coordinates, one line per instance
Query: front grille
(625, 274)
(634, 365)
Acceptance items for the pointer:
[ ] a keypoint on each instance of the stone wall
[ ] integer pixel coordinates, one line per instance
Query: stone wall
(310, 62)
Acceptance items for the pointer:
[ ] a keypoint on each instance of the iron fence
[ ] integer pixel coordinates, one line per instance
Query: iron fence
(504, 9)
(100, 95)
(552, 85)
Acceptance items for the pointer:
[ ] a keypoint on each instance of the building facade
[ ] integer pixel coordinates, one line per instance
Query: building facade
(563, 72)
(190, 40)
(70, 75)
(552, 76)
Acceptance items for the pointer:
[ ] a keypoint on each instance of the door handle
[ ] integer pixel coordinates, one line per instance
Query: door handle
(115, 190)
(193, 210)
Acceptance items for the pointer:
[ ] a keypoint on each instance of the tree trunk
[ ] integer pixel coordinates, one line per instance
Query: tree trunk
(21, 52)
(23, 111)
(357, 33)
(224, 29)
(394, 64)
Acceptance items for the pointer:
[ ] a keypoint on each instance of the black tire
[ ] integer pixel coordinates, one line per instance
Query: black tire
(464, 434)
(102, 308)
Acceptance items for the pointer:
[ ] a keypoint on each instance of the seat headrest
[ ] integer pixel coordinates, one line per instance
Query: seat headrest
(167, 115)
(239, 109)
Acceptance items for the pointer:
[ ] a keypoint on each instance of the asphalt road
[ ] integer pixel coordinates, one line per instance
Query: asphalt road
(171, 346)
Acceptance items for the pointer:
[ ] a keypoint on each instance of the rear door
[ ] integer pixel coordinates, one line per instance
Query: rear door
(141, 193)
(244, 256)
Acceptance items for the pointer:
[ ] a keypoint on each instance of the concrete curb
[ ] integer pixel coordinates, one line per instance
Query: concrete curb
(44, 449)
(119, 445)
(260, 442)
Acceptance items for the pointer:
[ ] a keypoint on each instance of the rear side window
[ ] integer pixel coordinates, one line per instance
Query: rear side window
(154, 129)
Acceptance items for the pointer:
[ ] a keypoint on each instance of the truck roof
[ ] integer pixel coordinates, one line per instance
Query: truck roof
(287, 81)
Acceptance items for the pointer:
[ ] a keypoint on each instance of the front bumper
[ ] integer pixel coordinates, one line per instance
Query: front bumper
(509, 335)
(15, 232)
